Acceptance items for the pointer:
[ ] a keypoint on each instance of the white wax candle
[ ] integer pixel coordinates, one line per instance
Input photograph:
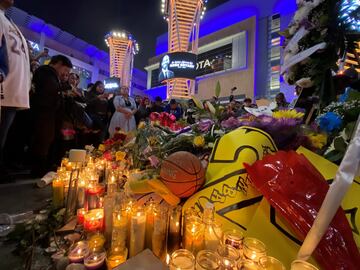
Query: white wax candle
(137, 233)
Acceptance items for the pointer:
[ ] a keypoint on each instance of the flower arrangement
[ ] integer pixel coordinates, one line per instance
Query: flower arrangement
(317, 32)
(338, 121)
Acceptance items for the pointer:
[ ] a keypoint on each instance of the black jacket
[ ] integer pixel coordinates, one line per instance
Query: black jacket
(47, 87)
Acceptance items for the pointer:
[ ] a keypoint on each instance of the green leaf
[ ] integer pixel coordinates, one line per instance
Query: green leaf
(217, 89)
(340, 144)
(334, 156)
(349, 129)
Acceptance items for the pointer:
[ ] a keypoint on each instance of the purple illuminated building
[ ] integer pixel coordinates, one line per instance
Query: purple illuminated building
(239, 46)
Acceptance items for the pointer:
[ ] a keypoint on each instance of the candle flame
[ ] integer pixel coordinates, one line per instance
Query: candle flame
(177, 224)
(167, 259)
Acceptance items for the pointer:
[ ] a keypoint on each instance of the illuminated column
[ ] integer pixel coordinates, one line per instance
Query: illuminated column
(183, 17)
(122, 48)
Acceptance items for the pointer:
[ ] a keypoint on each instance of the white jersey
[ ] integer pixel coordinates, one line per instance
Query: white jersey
(16, 85)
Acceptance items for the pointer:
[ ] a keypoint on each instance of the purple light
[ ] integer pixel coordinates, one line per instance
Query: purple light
(232, 12)
(91, 51)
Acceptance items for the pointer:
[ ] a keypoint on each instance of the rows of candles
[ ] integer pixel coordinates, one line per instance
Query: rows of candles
(114, 222)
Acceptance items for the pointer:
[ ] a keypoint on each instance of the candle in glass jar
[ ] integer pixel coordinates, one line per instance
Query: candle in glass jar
(58, 193)
(78, 251)
(174, 233)
(253, 249)
(149, 225)
(229, 255)
(137, 232)
(194, 235)
(80, 216)
(270, 263)
(112, 183)
(94, 220)
(120, 229)
(96, 241)
(182, 259)
(81, 194)
(159, 232)
(233, 238)
(95, 260)
(248, 265)
(115, 258)
(93, 194)
(109, 203)
(207, 260)
(212, 235)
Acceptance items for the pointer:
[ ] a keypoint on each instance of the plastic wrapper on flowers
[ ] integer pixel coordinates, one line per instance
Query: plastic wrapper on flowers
(296, 189)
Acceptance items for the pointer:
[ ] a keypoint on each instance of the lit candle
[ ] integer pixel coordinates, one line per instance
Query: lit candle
(227, 264)
(80, 216)
(229, 255)
(81, 194)
(207, 260)
(109, 203)
(95, 260)
(112, 183)
(78, 252)
(115, 258)
(213, 235)
(94, 220)
(182, 259)
(194, 235)
(248, 265)
(234, 238)
(96, 241)
(270, 263)
(120, 229)
(137, 232)
(149, 225)
(93, 194)
(58, 193)
(253, 249)
(174, 234)
(158, 246)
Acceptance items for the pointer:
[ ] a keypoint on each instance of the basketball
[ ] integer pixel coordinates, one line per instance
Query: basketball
(183, 174)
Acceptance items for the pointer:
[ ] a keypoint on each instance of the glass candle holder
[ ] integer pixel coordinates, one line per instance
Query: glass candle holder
(213, 235)
(96, 241)
(248, 265)
(112, 183)
(271, 263)
(116, 257)
(182, 259)
(194, 234)
(137, 231)
(78, 251)
(94, 220)
(233, 238)
(174, 231)
(207, 260)
(80, 216)
(227, 264)
(159, 233)
(81, 193)
(302, 265)
(58, 189)
(75, 266)
(95, 260)
(93, 194)
(229, 252)
(253, 249)
(150, 214)
(120, 229)
(109, 204)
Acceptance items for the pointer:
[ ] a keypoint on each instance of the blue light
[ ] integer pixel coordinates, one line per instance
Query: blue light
(156, 92)
(346, 10)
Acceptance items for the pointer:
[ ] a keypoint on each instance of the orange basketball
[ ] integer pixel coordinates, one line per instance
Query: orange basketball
(182, 173)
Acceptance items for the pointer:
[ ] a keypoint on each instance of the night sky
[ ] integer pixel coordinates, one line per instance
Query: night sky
(90, 20)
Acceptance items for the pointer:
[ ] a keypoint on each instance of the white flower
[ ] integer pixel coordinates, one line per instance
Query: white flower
(302, 13)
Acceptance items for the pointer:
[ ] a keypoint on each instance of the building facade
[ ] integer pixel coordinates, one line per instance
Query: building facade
(239, 46)
(91, 63)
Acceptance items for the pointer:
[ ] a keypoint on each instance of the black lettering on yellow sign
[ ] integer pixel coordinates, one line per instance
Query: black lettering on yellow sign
(352, 212)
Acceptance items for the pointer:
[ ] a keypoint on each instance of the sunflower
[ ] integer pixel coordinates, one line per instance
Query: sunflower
(288, 114)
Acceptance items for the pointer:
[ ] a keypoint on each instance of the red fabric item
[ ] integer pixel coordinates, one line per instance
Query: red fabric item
(296, 190)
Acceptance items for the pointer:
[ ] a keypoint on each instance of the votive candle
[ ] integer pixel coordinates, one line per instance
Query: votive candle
(78, 252)
(182, 259)
(253, 249)
(194, 235)
(174, 233)
(120, 229)
(80, 216)
(115, 258)
(95, 260)
(94, 220)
